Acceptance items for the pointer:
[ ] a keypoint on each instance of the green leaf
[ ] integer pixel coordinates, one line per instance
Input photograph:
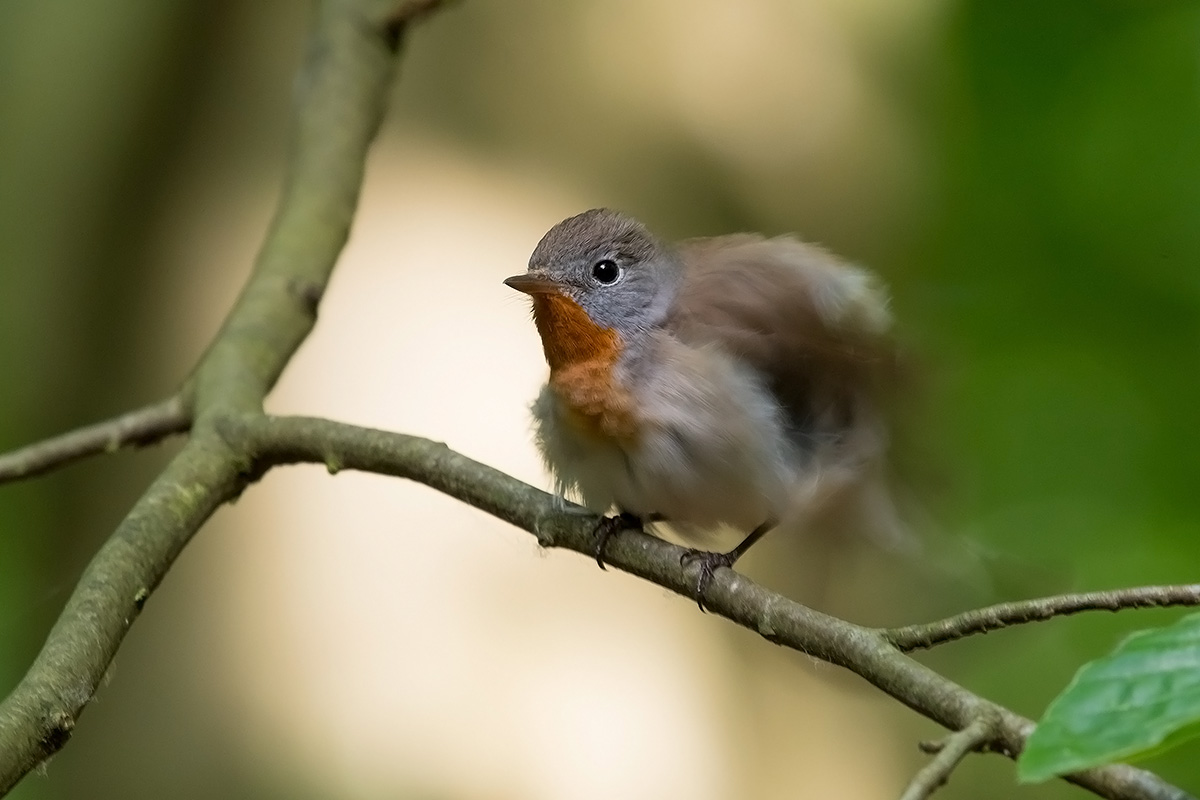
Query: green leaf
(1141, 699)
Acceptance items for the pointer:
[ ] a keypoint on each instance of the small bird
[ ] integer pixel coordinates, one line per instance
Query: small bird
(733, 381)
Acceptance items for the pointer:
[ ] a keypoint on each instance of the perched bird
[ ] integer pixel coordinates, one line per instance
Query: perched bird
(731, 381)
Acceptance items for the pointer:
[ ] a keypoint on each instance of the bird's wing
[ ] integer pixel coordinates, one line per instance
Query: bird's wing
(815, 327)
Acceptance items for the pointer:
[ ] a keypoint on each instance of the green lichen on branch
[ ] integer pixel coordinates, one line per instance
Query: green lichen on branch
(341, 93)
(39, 715)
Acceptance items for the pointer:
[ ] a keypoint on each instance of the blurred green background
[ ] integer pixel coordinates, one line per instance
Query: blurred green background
(1025, 175)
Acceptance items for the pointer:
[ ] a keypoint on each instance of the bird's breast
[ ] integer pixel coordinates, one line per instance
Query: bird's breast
(583, 361)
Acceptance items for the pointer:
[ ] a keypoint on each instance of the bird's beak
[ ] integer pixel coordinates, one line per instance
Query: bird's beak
(532, 283)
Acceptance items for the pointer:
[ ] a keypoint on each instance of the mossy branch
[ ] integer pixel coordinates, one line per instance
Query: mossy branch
(341, 94)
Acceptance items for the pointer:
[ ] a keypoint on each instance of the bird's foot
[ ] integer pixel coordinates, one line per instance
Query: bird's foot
(709, 562)
(610, 526)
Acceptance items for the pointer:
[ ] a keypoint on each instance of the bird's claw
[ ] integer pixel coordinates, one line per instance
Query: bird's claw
(608, 527)
(709, 562)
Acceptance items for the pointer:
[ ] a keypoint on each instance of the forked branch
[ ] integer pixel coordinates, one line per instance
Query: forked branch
(954, 748)
(341, 94)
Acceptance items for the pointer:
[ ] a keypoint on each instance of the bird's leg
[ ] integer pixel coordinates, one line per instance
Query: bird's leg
(624, 521)
(710, 561)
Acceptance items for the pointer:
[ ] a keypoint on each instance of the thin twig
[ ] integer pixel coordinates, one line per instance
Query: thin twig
(1003, 615)
(954, 748)
(137, 428)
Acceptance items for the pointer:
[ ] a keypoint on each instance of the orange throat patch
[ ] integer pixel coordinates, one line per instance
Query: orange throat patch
(583, 359)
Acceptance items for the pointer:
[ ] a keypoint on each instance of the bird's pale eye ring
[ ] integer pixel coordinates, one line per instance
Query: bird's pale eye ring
(606, 271)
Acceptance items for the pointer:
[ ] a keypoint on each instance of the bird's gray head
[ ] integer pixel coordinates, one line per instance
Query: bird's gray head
(610, 265)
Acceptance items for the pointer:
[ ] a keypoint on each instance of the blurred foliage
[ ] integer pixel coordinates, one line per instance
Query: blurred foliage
(1024, 174)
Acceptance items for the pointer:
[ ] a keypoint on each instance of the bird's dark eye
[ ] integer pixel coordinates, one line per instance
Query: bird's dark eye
(606, 271)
